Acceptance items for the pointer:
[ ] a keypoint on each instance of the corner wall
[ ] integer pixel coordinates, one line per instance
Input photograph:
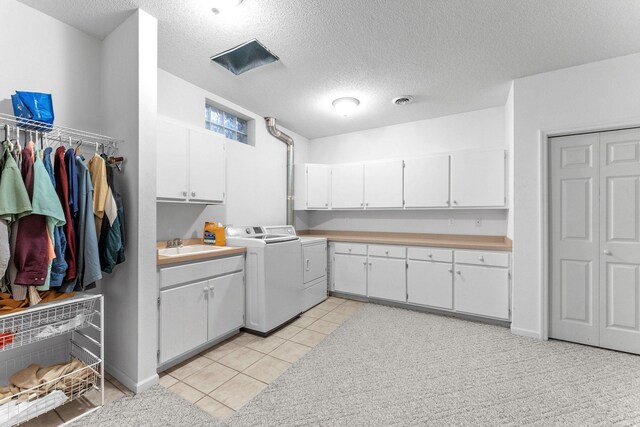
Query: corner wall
(604, 94)
(129, 94)
(256, 175)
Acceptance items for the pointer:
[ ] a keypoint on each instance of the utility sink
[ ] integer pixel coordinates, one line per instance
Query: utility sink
(189, 250)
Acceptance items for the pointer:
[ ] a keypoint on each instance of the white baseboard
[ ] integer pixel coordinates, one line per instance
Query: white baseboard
(125, 380)
(526, 333)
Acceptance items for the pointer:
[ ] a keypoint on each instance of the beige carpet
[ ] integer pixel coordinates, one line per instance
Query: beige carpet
(393, 367)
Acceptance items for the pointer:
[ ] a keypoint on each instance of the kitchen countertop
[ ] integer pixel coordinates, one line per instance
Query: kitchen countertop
(167, 260)
(454, 241)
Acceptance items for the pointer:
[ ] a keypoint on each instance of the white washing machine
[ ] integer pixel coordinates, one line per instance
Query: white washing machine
(314, 266)
(273, 276)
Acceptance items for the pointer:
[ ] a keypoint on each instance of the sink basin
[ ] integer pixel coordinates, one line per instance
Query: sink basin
(188, 250)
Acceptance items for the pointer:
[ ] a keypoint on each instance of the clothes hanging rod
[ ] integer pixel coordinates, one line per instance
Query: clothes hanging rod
(60, 133)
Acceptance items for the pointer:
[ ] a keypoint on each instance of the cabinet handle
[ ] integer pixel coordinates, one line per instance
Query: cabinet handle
(455, 202)
(386, 252)
(481, 258)
(430, 255)
(307, 261)
(326, 204)
(450, 271)
(607, 252)
(184, 194)
(361, 204)
(349, 249)
(366, 204)
(459, 272)
(206, 289)
(447, 202)
(193, 194)
(364, 263)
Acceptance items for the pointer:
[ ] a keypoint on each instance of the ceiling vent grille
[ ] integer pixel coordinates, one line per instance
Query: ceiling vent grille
(245, 57)
(402, 100)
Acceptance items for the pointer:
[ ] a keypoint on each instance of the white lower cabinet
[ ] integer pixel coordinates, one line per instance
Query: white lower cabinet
(183, 319)
(350, 274)
(481, 290)
(471, 282)
(430, 283)
(387, 279)
(199, 303)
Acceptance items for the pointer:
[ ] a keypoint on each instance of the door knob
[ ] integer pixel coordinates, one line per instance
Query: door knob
(607, 252)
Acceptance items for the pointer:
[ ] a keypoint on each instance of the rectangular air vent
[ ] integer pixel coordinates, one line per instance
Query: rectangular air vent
(245, 57)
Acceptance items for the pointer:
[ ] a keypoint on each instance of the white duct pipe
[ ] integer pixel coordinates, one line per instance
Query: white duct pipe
(273, 130)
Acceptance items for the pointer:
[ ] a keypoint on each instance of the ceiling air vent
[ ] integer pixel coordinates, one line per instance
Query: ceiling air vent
(245, 57)
(402, 100)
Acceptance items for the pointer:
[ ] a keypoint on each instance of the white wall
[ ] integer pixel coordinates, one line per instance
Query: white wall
(509, 139)
(476, 129)
(129, 88)
(256, 175)
(594, 96)
(42, 54)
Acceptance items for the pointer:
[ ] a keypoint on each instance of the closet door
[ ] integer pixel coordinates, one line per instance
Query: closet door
(206, 167)
(172, 161)
(575, 240)
(620, 240)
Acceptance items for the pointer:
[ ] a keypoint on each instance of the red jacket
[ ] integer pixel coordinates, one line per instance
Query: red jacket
(62, 188)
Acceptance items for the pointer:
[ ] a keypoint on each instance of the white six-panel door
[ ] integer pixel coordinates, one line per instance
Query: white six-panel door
(620, 240)
(595, 239)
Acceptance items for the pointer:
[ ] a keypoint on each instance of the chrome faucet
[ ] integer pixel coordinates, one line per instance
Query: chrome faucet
(175, 243)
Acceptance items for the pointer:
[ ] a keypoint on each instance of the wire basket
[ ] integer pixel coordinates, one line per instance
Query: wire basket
(28, 404)
(46, 321)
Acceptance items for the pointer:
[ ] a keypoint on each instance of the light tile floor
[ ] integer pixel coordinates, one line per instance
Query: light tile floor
(223, 378)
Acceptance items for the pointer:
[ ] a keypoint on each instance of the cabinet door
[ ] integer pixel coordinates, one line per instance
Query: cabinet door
(350, 275)
(387, 279)
(226, 304)
(430, 283)
(172, 161)
(383, 184)
(482, 290)
(426, 182)
(206, 166)
(478, 178)
(183, 319)
(318, 185)
(347, 186)
(314, 261)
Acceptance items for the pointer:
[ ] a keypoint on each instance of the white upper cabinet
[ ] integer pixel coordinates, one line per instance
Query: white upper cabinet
(383, 184)
(426, 182)
(206, 166)
(172, 161)
(190, 164)
(318, 186)
(478, 179)
(347, 186)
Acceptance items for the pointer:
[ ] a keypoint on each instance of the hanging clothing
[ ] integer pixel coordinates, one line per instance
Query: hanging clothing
(98, 170)
(59, 265)
(32, 243)
(88, 256)
(62, 188)
(112, 237)
(14, 203)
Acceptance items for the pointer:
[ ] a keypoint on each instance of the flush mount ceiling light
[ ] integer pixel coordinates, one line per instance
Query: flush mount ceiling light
(345, 106)
(402, 100)
(221, 6)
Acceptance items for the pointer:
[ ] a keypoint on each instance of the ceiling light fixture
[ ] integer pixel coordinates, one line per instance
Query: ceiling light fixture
(402, 100)
(221, 6)
(345, 106)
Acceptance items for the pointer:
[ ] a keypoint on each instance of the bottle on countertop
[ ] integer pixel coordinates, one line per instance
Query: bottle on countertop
(209, 233)
(221, 239)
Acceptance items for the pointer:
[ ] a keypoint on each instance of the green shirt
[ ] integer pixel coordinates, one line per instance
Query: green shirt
(14, 199)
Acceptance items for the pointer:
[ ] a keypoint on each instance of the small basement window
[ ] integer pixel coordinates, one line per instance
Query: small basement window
(226, 123)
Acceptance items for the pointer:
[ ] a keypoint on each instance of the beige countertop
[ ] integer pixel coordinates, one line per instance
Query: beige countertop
(455, 241)
(167, 260)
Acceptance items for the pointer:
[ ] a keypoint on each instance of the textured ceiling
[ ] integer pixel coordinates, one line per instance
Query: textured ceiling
(452, 55)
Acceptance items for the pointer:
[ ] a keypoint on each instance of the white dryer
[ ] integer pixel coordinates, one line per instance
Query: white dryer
(314, 266)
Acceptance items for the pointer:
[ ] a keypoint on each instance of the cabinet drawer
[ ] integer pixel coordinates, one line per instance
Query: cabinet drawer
(494, 259)
(387, 251)
(350, 248)
(430, 254)
(170, 276)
